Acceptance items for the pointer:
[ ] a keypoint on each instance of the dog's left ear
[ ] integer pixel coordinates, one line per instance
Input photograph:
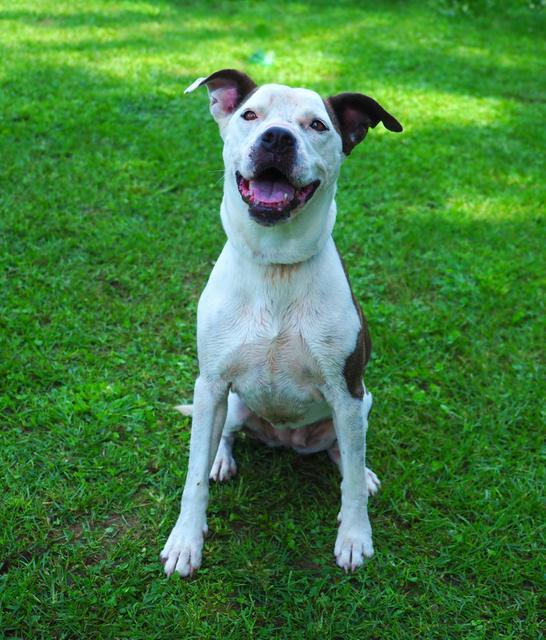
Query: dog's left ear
(227, 89)
(355, 114)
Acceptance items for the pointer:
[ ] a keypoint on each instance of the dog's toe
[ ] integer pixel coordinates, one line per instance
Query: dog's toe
(351, 548)
(224, 466)
(223, 469)
(182, 552)
(372, 481)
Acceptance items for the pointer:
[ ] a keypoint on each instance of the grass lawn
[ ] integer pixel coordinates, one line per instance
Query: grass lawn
(110, 184)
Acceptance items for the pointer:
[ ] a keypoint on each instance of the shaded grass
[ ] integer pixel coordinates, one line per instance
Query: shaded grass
(109, 227)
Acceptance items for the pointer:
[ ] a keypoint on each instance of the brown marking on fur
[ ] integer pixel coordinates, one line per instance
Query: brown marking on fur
(280, 344)
(332, 114)
(356, 362)
(240, 80)
(355, 113)
(354, 368)
(248, 95)
(280, 272)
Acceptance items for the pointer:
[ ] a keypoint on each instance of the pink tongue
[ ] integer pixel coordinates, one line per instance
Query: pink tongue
(271, 191)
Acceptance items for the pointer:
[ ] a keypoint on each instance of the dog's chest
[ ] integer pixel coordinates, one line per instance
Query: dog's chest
(278, 334)
(272, 368)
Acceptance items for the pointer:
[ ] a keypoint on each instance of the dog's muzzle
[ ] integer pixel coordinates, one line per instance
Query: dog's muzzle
(270, 193)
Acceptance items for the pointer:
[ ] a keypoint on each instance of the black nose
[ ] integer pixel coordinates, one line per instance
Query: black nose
(278, 140)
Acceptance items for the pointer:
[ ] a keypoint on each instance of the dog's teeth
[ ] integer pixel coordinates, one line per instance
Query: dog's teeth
(286, 196)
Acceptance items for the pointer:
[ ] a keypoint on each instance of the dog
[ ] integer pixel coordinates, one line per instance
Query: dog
(282, 342)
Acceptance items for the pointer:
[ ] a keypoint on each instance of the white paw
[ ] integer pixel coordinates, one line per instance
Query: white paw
(372, 481)
(183, 550)
(353, 544)
(224, 466)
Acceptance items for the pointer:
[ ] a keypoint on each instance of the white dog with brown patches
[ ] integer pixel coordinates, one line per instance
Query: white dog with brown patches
(282, 342)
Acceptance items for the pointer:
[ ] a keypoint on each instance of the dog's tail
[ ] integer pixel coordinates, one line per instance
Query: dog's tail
(185, 409)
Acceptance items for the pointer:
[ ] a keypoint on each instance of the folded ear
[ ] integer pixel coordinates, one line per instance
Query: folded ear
(227, 89)
(355, 114)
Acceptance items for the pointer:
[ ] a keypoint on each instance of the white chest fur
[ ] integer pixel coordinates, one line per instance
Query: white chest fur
(273, 331)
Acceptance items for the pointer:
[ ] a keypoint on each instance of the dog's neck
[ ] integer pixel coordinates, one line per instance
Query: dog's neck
(286, 243)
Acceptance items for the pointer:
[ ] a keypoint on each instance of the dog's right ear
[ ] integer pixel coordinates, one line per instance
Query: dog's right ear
(227, 89)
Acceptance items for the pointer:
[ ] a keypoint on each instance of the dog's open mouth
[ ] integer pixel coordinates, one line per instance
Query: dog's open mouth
(271, 196)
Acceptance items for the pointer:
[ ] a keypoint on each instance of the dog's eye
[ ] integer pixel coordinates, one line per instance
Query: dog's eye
(318, 125)
(249, 115)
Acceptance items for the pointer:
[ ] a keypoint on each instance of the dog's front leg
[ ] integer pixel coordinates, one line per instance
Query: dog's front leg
(182, 552)
(354, 538)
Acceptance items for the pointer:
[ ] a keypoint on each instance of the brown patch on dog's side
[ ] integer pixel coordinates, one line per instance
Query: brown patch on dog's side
(356, 362)
(354, 368)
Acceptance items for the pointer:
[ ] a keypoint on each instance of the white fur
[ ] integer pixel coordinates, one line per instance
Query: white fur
(275, 325)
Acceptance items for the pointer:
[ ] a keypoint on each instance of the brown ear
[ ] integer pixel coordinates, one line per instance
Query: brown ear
(227, 89)
(355, 114)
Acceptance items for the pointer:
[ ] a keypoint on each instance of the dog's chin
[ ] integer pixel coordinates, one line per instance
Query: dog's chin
(272, 198)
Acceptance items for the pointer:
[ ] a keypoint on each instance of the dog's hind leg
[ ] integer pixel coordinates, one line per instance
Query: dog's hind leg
(224, 466)
(372, 480)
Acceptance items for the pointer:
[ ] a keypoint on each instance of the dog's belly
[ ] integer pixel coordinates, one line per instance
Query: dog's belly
(311, 438)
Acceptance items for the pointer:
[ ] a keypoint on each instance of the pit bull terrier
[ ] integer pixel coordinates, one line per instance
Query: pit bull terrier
(281, 339)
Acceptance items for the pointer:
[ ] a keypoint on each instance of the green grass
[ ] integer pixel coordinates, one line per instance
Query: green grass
(109, 227)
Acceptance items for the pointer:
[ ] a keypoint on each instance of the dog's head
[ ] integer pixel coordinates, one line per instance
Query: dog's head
(282, 145)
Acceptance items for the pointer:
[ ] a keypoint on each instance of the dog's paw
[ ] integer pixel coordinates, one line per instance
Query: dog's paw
(372, 481)
(352, 546)
(183, 550)
(224, 466)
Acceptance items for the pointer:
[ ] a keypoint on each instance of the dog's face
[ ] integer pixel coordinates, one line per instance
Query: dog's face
(282, 145)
